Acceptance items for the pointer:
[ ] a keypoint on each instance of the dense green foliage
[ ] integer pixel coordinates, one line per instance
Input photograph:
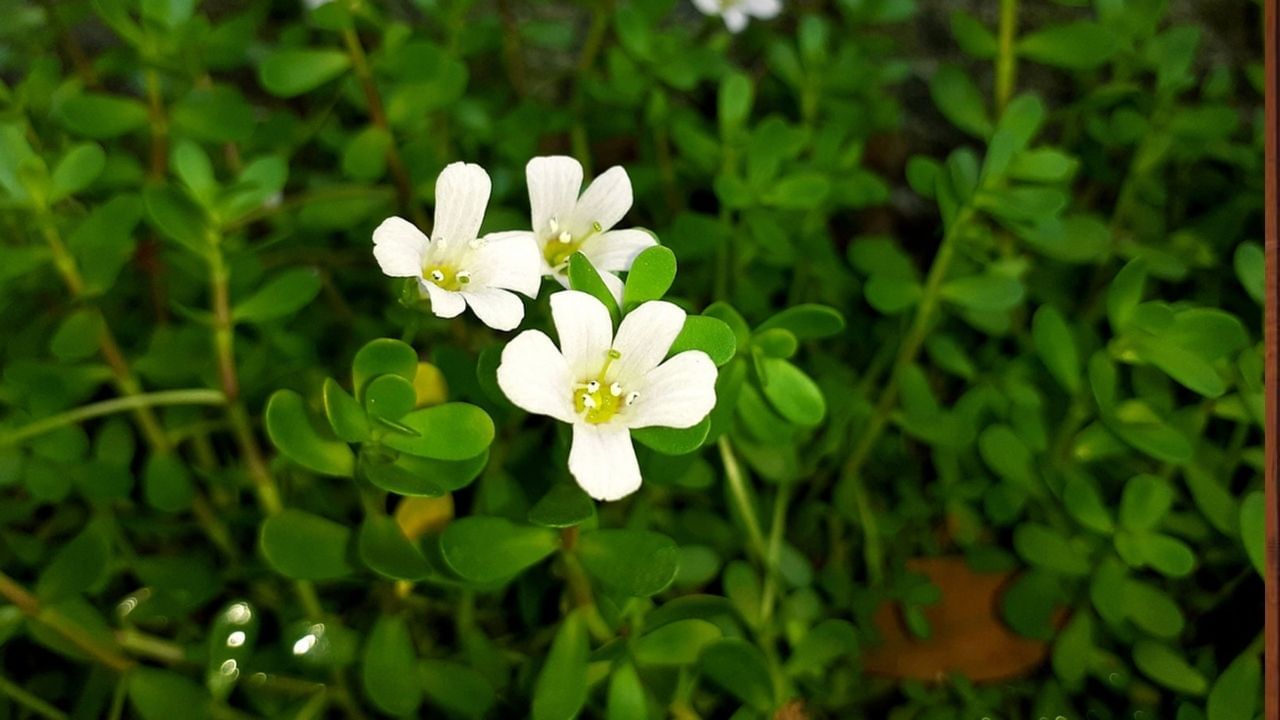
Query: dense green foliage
(243, 474)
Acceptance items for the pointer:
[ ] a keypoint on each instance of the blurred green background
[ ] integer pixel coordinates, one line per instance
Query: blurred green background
(988, 441)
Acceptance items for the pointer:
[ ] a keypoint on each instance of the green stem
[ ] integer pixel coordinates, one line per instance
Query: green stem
(777, 531)
(738, 491)
(1006, 59)
(69, 629)
(199, 396)
(580, 586)
(29, 701)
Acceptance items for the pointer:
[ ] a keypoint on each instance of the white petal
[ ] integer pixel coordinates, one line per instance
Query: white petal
(708, 7)
(763, 9)
(615, 250)
(462, 192)
(497, 308)
(605, 201)
(678, 393)
(735, 19)
(603, 461)
(508, 260)
(398, 247)
(644, 337)
(444, 304)
(615, 286)
(534, 375)
(554, 184)
(585, 331)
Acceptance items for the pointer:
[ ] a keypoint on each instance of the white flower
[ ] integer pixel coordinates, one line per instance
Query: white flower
(455, 267)
(606, 385)
(564, 223)
(736, 12)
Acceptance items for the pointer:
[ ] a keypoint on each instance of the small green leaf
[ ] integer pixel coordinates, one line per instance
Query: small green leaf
(291, 72)
(1056, 347)
(635, 562)
(734, 100)
(291, 431)
(984, 293)
(1081, 499)
(708, 334)
(676, 643)
(194, 168)
(166, 483)
(385, 549)
(101, 116)
(346, 417)
(382, 357)
(1080, 45)
(388, 667)
(77, 566)
(890, 294)
(303, 546)
(740, 669)
(972, 36)
(1253, 529)
(390, 397)
(960, 101)
(674, 441)
(164, 695)
(1145, 501)
(492, 549)
(1125, 293)
(1250, 264)
(453, 431)
(174, 215)
(561, 688)
(365, 157)
(626, 698)
(1236, 692)
(80, 166)
(564, 505)
(583, 276)
(78, 336)
(807, 321)
(284, 295)
(1072, 648)
(651, 274)
(822, 645)
(1044, 547)
(793, 394)
(1014, 131)
(1166, 666)
(457, 688)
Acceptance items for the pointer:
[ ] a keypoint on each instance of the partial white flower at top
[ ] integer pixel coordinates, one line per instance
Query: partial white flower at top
(606, 385)
(736, 12)
(455, 267)
(564, 223)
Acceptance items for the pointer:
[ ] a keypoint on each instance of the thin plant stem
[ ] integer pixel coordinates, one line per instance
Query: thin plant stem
(28, 700)
(580, 586)
(777, 531)
(108, 655)
(1006, 58)
(737, 481)
(198, 396)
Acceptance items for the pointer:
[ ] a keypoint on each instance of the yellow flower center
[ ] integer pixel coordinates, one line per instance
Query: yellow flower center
(562, 244)
(446, 277)
(599, 400)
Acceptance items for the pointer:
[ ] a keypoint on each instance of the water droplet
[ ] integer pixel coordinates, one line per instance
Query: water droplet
(239, 613)
(230, 669)
(304, 644)
(236, 639)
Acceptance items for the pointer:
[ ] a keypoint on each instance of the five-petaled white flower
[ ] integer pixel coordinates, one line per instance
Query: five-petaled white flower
(564, 223)
(455, 267)
(606, 385)
(736, 12)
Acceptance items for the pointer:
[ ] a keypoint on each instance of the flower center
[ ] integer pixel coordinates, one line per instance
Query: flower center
(446, 277)
(562, 244)
(599, 400)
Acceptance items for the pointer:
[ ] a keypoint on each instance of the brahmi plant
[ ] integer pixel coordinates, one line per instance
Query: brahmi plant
(630, 359)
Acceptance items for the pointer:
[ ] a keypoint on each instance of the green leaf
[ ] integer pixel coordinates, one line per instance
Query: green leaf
(164, 695)
(1014, 131)
(389, 397)
(650, 276)
(1072, 649)
(382, 357)
(385, 549)
(79, 167)
(456, 688)
(1081, 45)
(708, 334)
(77, 337)
(675, 644)
(1046, 548)
(388, 667)
(1167, 667)
(891, 295)
(561, 688)
(1007, 455)
(984, 293)
(1125, 293)
(303, 546)
(101, 116)
(793, 394)
(1236, 691)
(584, 276)
(972, 36)
(291, 431)
(174, 215)
(1081, 499)
(564, 505)
(734, 100)
(365, 158)
(626, 698)
(346, 416)
(800, 191)
(1056, 347)
(1250, 264)
(194, 168)
(775, 343)
(291, 72)
(1253, 529)
(674, 441)
(284, 295)
(1167, 555)
(1145, 502)
(492, 549)
(452, 431)
(77, 566)
(634, 562)
(166, 484)
(1149, 608)
(823, 644)
(807, 321)
(424, 477)
(960, 101)
(740, 669)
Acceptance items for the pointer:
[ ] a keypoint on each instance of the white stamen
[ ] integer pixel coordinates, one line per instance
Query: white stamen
(632, 397)
(588, 401)
(554, 225)
(437, 276)
(476, 244)
(463, 276)
(593, 387)
(615, 389)
(565, 237)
